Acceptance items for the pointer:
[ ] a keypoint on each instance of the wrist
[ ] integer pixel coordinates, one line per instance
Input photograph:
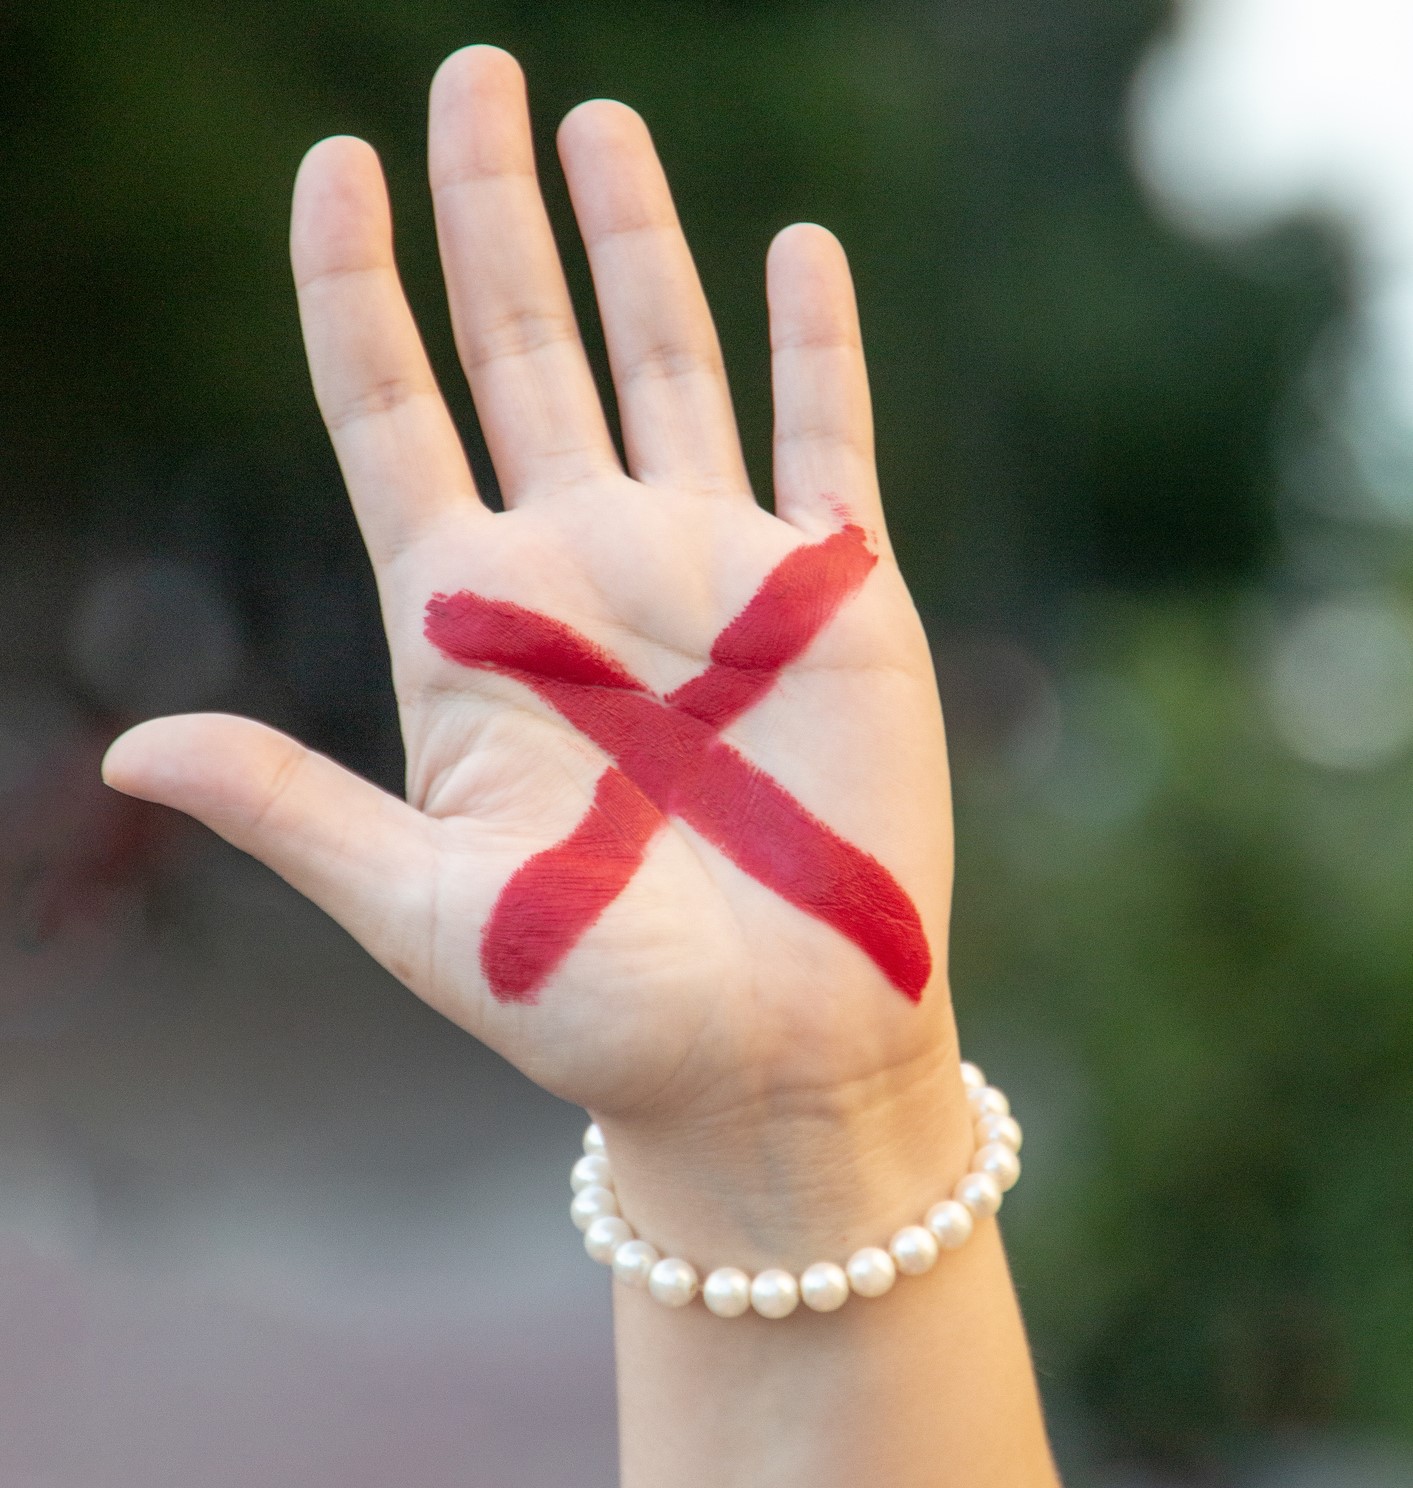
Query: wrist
(793, 1176)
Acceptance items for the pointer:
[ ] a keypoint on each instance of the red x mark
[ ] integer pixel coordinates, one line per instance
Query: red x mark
(670, 761)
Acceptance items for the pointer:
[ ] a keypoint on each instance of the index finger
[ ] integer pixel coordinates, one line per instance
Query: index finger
(395, 441)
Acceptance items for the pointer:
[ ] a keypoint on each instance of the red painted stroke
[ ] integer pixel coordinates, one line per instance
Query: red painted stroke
(670, 761)
(553, 897)
(795, 602)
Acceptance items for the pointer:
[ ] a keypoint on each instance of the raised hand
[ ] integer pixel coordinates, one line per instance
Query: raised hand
(677, 835)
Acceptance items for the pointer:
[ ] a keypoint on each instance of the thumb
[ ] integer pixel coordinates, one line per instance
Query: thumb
(360, 854)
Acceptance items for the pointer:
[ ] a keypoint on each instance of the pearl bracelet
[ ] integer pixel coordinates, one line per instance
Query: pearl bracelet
(774, 1293)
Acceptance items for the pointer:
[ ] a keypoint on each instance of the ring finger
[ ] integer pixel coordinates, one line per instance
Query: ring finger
(673, 399)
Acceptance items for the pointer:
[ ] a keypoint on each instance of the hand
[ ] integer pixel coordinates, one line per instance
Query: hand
(677, 838)
(689, 988)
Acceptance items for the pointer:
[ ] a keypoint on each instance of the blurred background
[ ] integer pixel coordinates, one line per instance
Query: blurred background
(1137, 283)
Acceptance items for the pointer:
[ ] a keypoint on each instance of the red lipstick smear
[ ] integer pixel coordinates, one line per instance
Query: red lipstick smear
(670, 761)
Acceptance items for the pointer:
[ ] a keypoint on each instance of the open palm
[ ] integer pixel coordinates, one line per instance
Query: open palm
(633, 923)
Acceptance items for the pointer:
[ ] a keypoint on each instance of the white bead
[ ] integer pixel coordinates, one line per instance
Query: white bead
(951, 1223)
(633, 1261)
(871, 1271)
(988, 1101)
(590, 1203)
(775, 1293)
(590, 1172)
(603, 1238)
(972, 1077)
(914, 1250)
(980, 1193)
(673, 1282)
(1000, 1162)
(824, 1287)
(999, 1129)
(727, 1291)
(593, 1141)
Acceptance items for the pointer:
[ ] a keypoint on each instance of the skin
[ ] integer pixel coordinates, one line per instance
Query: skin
(768, 1098)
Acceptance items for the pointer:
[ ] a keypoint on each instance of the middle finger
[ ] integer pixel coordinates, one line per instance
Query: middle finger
(510, 307)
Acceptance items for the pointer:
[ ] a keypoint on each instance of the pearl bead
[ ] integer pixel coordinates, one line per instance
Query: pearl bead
(673, 1282)
(727, 1292)
(871, 1271)
(980, 1193)
(593, 1141)
(972, 1077)
(604, 1236)
(988, 1101)
(1000, 1162)
(914, 1250)
(775, 1293)
(590, 1203)
(633, 1261)
(999, 1129)
(951, 1223)
(824, 1287)
(590, 1172)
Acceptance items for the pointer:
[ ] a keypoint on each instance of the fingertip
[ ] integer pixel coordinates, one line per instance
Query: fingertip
(806, 237)
(179, 759)
(339, 218)
(337, 150)
(805, 249)
(606, 147)
(115, 769)
(475, 68)
(478, 59)
(477, 117)
(340, 166)
(601, 118)
(810, 290)
(140, 761)
(616, 180)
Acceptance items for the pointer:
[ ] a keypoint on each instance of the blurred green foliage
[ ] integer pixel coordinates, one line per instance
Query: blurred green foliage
(1075, 413)
(1210, 980)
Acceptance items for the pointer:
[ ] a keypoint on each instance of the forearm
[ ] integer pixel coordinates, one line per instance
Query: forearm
(929, 1384)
